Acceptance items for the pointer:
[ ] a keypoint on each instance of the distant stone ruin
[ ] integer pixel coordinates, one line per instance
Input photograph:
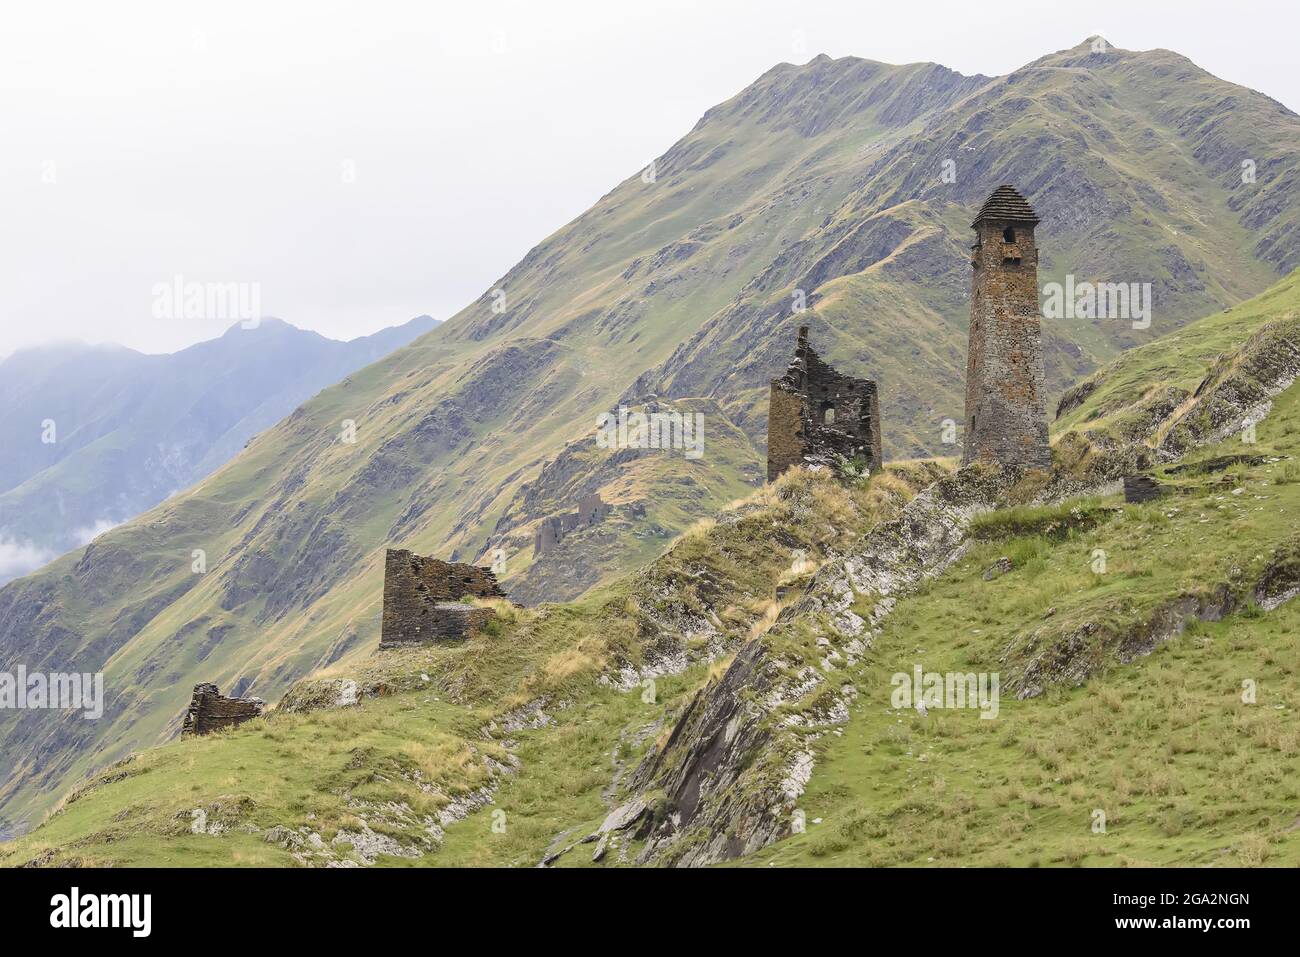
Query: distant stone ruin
(552, 530)
(422, 599)
(1006, 420)
(816, 415)
(210, 710)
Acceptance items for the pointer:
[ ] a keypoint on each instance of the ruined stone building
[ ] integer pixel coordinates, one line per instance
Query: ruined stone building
(210, 710)
(815, 414)
(591, 511)
(422, 599)
(1006, 420)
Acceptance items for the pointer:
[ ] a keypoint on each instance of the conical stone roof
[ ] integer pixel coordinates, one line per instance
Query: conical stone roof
(1006, 205)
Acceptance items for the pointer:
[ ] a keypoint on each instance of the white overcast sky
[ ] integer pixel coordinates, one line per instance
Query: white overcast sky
(141, 141)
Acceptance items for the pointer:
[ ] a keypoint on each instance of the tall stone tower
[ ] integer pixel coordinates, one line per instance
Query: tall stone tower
(1006, 420)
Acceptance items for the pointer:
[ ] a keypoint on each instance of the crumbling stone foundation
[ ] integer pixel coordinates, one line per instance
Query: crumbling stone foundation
(210, 710)
(816, 414)
(422, 599)
(454, 620)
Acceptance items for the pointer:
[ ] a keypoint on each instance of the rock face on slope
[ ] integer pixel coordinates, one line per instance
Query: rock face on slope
(738, 758)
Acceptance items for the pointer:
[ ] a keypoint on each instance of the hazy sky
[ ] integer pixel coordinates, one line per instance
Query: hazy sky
(363, 163)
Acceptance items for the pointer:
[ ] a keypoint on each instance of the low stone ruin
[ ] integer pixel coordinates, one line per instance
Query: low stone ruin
(210, 710)
(423, 599)
(1142, 488)
(454, 620)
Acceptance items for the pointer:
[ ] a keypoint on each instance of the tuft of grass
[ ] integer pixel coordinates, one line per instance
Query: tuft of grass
(1053, 522)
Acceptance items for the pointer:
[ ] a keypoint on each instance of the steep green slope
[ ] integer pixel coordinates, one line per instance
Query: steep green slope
(1191, 754)
(678, 284)
(1121, 687)
(535, 705)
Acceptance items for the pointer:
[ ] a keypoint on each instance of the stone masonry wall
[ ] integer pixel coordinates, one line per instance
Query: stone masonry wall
(422, 598)
(591, 511)
(816, 414)
(210, 710)
(1006, 421)
(785, 442)
(454, 620)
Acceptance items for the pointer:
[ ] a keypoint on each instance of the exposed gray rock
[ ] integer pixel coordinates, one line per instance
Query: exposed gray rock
(727, 742)
(1239, 391)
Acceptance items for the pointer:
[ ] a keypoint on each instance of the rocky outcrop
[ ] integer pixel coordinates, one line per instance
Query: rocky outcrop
(997, 569)
(1142, 488)
(1238, 391)
(1075, 396)
(738, 758)
(1070, 654)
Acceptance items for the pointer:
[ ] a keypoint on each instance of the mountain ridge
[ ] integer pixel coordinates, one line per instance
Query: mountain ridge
(130, 428)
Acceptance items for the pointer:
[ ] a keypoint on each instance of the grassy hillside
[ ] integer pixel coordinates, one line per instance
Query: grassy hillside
(521, 710)
(823, 177)
(1121, 688)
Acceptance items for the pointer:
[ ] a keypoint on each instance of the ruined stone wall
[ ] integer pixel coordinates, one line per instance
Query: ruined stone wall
(591, 509)
(422, 598)
(785, 439)
(454, 620)
(1006, 420)
(210, 710)
(548, 534)
(816, 414)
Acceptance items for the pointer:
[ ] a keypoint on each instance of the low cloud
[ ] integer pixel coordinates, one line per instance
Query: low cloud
(18, 558)
(88, 533)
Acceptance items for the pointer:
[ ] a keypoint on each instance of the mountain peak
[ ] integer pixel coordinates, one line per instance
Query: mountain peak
(269, 323)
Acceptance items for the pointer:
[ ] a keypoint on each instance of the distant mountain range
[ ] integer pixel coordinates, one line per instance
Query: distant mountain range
(95, 435)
